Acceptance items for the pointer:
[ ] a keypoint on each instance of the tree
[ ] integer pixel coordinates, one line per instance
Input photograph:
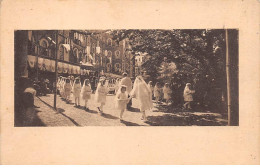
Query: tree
(192, 51)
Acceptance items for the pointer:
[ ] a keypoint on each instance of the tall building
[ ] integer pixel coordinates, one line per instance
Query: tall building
(80, 52)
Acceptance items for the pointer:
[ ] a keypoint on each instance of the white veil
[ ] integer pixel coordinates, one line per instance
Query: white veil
(140, 88)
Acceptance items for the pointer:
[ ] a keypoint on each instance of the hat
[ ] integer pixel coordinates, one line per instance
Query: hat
(188, 84)
(124, 74)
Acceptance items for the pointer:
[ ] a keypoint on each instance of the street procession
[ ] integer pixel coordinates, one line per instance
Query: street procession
(124, 78)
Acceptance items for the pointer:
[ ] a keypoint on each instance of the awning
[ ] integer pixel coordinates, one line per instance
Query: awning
(52, 66)
(60, 67)
(86, 65)
(67, 47)
(46, 64)
(31, 61)
(65, 68)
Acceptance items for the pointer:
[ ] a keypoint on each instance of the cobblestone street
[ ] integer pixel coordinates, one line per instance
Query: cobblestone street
(68, 115)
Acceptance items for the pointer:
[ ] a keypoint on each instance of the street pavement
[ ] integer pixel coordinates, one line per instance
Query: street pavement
(68, 115)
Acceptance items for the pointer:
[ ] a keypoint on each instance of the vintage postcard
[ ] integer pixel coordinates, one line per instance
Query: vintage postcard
(130, 82)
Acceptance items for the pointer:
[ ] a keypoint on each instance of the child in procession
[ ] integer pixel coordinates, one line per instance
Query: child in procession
(86, 92)
(76, 91)
(157, 92)
(150, 85)
(67, 90)
(101, 93)
(62, 83)
(122, 100)
(143, 94)
(188, 96)
(167, 93)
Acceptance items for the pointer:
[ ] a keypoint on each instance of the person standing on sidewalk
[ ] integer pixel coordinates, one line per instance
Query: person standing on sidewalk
(128, 83)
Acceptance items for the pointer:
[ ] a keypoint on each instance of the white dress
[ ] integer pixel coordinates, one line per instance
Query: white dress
(67, 89)
(143, 94)
(167, 93)
(121, 101)
(86, 92)
(76, 90)
(187, 94)
(101, 94)
(156, 91)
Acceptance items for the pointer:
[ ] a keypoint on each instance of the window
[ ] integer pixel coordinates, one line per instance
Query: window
(80, 56)
(109, 53)
(117, 54)
(117, 66)
(44, 47)
(88, 40)
(109, 42)
(75, 55)
(61, 53)
(108, 67)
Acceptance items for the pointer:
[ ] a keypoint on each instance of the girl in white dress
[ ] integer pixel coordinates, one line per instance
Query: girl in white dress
(76, 91)
(59, 84)
(101, 93)
(167, 92)
(142, 92)
(121, 100)
(188, 96)
(157, 92)
(62, 87)
(150, 85)
(67, 90)
(86, 92)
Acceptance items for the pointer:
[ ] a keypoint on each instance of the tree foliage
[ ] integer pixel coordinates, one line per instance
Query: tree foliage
(192, 51)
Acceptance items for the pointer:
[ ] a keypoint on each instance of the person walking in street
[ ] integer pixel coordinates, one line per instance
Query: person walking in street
(100, 95)
(86, 92)
(67, 90)
(62, 83)
(142, 93)
(157, 92)
(150, 85)
(167, 93)
(121, 100)
(117, 83)
(188, 96)
(128, 83)
(76, 91)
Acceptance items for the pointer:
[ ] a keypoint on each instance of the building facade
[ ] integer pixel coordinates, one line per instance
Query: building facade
(95, 50)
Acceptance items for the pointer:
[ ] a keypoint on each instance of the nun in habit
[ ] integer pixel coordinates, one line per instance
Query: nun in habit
(76, 91)
(143, 94)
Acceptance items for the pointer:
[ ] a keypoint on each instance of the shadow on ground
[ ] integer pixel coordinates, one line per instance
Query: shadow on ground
(60, 111)
(187, 119)
(128, 123)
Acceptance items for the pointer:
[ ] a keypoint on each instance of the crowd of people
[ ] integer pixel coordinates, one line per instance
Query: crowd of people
(170, 94)
(125, 90)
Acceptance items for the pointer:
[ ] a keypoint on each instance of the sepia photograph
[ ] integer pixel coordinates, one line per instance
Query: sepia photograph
(129, 82)
(126, 77)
